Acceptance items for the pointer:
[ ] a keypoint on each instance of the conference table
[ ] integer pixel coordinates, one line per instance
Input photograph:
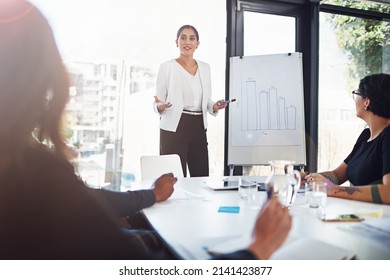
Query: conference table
(193, 226)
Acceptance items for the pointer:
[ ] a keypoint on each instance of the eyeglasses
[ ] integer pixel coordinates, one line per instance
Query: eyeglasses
(355, 92)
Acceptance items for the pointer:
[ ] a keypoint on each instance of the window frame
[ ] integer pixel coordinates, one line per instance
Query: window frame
(303, 12)
(307, 13)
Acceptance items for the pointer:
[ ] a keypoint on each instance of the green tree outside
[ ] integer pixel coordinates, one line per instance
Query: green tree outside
(366, 42)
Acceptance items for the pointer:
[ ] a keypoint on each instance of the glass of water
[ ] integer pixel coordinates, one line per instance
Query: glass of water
(247, 189)
(316, 195)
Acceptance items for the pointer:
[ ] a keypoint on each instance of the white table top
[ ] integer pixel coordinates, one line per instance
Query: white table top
(189, 221)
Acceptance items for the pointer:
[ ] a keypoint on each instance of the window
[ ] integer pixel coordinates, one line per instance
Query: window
(259, 39)
(342, 64)
(331, 74)
(112, 50)
(262, 28)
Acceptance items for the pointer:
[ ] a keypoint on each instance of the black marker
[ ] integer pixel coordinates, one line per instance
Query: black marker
(226, 102)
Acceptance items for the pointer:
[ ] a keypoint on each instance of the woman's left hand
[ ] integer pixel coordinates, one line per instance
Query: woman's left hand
(318, 178)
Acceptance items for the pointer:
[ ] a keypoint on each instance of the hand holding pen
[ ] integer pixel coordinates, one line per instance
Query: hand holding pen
(222, 104)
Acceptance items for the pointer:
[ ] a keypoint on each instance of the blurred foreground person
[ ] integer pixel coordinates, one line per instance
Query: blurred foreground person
(46, 211)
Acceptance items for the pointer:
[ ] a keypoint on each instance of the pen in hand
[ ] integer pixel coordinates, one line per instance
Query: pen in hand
(226, 102)
(270, 192)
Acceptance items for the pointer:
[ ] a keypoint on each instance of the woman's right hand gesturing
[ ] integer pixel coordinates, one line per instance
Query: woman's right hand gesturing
(161, 106)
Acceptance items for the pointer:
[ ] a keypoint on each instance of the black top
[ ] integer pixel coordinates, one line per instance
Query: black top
(46, 212)
(369, 161)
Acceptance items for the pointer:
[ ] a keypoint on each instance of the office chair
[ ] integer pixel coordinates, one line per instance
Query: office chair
(153, 167)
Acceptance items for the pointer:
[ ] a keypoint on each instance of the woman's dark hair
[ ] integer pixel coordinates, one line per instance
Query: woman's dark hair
(34, 85)
(187, 26)
(377, 88)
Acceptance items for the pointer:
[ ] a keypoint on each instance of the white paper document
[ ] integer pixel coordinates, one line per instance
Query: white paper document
(294, 249)
(181, 194)
(312, 249)
(375, 229)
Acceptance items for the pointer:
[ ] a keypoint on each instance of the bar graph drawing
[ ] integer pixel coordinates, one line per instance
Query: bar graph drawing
(266, 110)
(267, 120)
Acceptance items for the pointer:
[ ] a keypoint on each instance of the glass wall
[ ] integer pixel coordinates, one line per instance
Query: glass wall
(350, 48)
(260, 39)
(112, 49)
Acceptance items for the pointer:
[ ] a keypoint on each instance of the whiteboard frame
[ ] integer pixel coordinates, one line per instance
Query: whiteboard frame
(261, 155)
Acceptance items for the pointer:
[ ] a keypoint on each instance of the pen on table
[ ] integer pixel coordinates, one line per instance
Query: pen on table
(226, 102)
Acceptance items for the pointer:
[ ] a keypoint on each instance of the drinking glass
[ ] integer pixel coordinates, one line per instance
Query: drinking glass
(316, 195)
(247, 189)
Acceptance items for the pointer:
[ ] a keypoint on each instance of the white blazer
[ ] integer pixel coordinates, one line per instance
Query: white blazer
(169, 89)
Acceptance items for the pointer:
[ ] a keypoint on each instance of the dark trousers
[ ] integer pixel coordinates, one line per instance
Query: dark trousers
(190, 143)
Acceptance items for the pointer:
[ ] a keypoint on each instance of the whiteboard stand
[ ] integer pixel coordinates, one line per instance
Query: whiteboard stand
(231, 169)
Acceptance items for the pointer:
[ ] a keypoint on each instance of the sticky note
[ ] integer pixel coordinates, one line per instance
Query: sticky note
(229, 209)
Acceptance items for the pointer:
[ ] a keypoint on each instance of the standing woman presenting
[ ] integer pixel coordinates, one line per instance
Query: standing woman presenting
(183, 98)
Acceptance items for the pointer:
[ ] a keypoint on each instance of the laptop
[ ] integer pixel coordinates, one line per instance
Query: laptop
(219, 184)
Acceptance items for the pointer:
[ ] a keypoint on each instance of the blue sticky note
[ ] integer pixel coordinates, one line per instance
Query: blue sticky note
(229, 209)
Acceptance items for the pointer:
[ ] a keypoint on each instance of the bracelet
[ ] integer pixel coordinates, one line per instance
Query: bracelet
(376, 197)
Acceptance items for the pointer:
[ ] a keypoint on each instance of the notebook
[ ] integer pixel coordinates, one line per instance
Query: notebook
(294, 249)
(312, 249)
